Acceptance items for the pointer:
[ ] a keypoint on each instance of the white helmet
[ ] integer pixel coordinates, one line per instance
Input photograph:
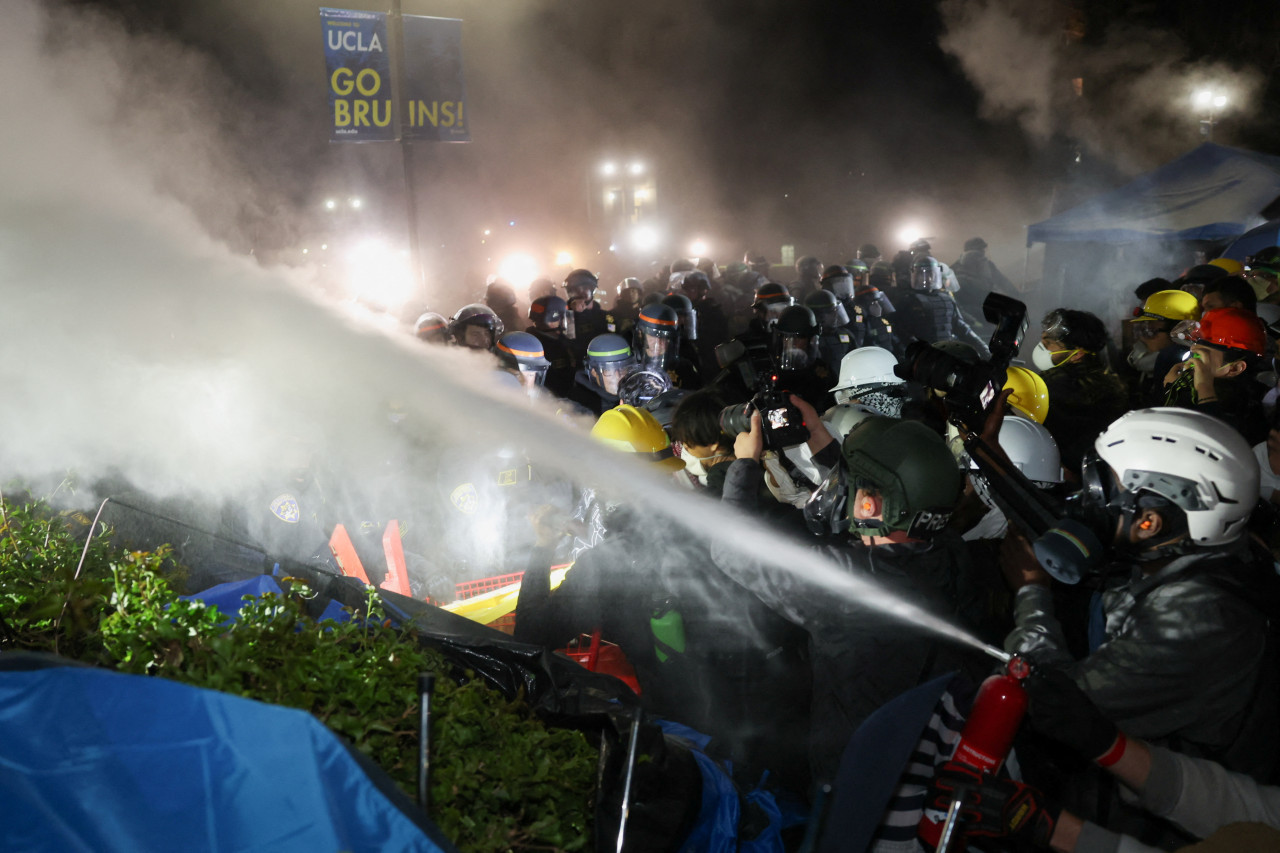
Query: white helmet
(1191, 459)
(839, 420)
(865, 369)
(1032, 449)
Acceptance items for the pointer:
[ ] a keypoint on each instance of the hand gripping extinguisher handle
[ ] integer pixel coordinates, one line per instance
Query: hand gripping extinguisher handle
(986, 739)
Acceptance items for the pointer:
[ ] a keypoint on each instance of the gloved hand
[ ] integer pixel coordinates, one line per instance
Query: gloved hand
(1059, 709)
(994, 807)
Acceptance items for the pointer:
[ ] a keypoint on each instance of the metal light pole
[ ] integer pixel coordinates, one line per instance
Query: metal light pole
(396, 32)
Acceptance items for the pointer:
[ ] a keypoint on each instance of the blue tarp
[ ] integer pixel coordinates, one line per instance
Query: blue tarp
(1211, 193)
(95, 760)
(1253, 241)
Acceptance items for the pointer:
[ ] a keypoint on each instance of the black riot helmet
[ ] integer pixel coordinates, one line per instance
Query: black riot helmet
(771, 300)
(432, 328)
(685, 313)
(580, 285)
(795, 338)
(547, 313)
(827, 309)
(696, 285)
(657, 335)
(475, 326)
(837, 280)
(926, 273)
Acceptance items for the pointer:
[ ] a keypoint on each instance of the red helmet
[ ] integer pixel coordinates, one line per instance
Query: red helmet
(1233, 328)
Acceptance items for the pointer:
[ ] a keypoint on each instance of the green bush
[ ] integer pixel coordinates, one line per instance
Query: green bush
(500, 779)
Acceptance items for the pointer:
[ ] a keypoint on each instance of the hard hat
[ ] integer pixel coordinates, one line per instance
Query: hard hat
(1229, 328)
(637, 431)
(866, 369)
(1232, 267)
(1175, 305)
(1191, 459)
(1030, 395)
(1032, 449)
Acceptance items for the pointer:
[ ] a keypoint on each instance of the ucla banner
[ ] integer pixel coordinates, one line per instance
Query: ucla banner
(358, 68)
(435, 96)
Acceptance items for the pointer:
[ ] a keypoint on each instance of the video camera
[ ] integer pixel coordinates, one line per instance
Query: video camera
(781, 423)
(970, 387)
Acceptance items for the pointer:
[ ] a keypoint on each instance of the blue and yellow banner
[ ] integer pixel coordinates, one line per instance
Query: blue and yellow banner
(358, 68)
(435, 94)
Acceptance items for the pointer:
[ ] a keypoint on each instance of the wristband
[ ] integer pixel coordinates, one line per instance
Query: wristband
(1114, 753)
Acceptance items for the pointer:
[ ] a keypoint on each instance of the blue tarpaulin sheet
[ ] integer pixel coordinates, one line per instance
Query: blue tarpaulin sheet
(1211, 193)
(98, 761)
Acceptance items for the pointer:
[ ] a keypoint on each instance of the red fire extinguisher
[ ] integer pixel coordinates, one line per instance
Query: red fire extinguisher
(986, 739)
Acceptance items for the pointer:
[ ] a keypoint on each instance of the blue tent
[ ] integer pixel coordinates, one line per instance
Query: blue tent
(1212, 193)
(1253, 241)
(95, 760)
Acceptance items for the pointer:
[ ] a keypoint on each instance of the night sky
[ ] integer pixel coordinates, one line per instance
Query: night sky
(819, 124)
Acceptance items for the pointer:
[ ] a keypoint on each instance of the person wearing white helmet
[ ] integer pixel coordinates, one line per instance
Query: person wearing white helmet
(1178, 649)
(1032, 451)
(867, 377)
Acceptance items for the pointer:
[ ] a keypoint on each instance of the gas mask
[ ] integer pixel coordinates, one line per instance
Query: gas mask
(1142, 359)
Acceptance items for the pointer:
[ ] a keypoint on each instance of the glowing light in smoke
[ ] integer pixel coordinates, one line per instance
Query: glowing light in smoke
(641, 194)
(699, 248)
(379, 274)
(356, 203)
(608, 168)
(908, 234)
(636, 168)
(564, 259)
(330, 204)
(519, 270)
(644, 238)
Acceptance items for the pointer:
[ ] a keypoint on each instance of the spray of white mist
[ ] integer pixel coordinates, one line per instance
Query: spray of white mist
(132, 342)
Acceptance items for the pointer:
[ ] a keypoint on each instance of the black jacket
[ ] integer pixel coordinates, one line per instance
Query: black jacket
(861, 657)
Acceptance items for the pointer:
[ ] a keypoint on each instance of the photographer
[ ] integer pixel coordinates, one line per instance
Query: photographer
(904, 486)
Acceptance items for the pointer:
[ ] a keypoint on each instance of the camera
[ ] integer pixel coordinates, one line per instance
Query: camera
(781, 423)
(970, 387)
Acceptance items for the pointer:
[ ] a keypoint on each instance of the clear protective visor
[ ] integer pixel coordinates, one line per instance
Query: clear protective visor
(795, 353)
(608, 374)
(531, 376)
(689, 325)
(841, 285)
(832, 317)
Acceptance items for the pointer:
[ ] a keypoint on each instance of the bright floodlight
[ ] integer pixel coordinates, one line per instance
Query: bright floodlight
(519, 270)
(698, 248)
(641, 194)
(609, 168)
(486, 232)
(1220, 101)
(636, 168)
(908, 234)
(1202, 99)
(564, 259)
(356, 203)
(644, 238)
(330, 204)
(378, 274)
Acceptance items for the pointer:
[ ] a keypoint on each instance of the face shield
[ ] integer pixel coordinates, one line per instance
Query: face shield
(640, 385)
(769, 312)
(841, 285)
(533, 376)
(796, 353)
(657, 348)
(689, 325)
(926, 277)
(832, 317)
(1186, 332)
(608, 374)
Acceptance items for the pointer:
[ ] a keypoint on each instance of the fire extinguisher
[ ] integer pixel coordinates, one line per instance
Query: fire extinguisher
(985, 741)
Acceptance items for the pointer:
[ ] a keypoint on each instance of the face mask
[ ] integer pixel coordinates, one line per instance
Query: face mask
(1142, 359)
(693, 464)
(1042, 357)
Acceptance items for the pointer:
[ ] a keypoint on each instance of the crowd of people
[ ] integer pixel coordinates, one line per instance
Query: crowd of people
(798, 406)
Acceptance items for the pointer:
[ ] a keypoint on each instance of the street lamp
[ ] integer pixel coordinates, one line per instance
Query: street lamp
(608, 168)
(1209, 103)
(636, 168)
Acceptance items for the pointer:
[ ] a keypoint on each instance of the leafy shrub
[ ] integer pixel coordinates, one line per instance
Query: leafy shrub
(500, 779)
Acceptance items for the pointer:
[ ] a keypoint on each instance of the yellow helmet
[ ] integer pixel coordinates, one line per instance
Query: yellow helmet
(1232, 267)
(633, 430)
(1175, 305)
(1030, 395)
